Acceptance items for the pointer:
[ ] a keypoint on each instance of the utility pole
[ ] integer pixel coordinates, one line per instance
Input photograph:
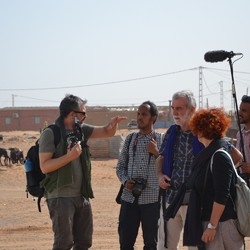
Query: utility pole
(169, 110)
(207, 104)
(221, 94)
(200, 88)
(13, 100)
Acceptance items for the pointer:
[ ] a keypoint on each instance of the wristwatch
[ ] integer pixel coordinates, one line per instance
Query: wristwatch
(210, 226)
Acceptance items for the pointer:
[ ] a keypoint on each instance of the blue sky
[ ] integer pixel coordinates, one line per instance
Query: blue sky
(90, 48)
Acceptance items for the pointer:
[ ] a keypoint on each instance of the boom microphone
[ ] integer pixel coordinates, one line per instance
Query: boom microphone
(219, 55)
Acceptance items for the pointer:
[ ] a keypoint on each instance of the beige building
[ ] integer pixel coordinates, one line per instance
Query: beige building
(36, 118)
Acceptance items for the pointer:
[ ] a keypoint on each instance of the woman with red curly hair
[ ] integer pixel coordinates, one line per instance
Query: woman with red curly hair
(211, 218)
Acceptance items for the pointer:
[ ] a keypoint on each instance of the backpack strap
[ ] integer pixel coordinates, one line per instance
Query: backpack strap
(228, 155)
(39, 203)
(56, 132)
(57, 138)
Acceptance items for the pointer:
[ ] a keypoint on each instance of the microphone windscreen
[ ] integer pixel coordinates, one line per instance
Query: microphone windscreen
(216, 56)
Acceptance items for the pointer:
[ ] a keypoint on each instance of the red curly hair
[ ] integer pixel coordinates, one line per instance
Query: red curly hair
(210, 123)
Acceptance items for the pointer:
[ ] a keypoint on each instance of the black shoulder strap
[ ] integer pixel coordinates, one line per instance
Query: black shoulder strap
(118, 197)
(57, 138)
(57, 133)
(129, 141)
(150, 155)
(39, 203)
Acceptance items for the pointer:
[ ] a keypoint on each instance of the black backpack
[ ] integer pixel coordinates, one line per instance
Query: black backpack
(34, 174)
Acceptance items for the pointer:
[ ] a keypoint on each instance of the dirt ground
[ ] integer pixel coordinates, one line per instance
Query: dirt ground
(22, 227)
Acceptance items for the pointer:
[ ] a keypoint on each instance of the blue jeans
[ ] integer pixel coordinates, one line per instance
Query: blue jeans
(72, 223)
(131, 215)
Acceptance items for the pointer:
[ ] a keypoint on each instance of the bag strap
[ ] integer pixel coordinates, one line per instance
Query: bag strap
(129, 141)
(150, 155)
(56, 132)
(118, 197)
(39, 204)
(229, 156)
(57, 138)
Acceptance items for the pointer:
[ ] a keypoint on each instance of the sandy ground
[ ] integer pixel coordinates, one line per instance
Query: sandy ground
(22, 227)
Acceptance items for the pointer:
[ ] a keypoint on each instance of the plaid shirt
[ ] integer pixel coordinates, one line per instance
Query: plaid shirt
(183, 158)
(134, 162)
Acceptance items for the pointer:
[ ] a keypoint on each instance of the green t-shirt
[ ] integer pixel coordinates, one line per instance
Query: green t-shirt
(46, 145)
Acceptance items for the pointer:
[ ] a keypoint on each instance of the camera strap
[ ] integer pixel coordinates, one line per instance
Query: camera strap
(149, 159)
(150, 155)
(134, 151)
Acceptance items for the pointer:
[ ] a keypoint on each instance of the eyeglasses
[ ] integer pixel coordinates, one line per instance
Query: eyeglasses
(245, 98)
(81, 112)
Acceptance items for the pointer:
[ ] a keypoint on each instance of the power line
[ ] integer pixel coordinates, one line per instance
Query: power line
(123, 81)
(240, 72)
(103, 83)
(37, 99)
(120, 81)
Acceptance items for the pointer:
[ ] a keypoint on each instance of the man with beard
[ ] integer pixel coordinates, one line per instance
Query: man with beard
(136, 169)
(244, 115)
(174, 166)
(67, 167)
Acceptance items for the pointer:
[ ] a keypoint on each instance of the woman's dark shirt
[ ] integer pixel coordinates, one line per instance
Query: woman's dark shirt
(219, 187)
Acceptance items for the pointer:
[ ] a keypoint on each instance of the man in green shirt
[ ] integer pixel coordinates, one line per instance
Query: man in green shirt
(68, 174)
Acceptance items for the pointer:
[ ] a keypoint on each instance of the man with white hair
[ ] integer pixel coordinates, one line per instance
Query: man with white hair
(174, 166)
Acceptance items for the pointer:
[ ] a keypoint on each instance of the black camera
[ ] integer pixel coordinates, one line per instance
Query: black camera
(73, 138)
(71, 141)
(140, 184)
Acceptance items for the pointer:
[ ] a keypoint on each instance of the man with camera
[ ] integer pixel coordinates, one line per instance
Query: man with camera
(68, 173)
(136, 169)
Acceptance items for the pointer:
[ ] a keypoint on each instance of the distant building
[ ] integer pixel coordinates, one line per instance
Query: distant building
(36, 118)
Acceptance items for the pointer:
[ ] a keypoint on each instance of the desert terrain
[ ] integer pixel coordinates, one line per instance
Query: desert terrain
(22, 227)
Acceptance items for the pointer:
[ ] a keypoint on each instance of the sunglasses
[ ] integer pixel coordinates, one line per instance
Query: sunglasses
(81, 112)
(245, 98)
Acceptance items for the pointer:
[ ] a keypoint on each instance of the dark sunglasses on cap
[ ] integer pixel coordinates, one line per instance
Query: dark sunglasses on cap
(245, 98)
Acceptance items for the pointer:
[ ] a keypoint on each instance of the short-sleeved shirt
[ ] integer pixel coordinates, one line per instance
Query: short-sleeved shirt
(135, 163)
(246, 139)
(46, 145)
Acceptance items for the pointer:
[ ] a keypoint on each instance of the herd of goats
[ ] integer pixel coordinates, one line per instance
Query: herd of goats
(11, 156)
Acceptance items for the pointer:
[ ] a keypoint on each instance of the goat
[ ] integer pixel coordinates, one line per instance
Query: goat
(4, 153)
(16, 155)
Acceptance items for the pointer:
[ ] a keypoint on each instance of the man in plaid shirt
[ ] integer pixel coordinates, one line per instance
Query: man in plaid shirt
(179, 144)
(136, 169)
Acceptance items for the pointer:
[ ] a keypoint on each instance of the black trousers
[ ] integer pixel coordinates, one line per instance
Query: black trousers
(131, 215)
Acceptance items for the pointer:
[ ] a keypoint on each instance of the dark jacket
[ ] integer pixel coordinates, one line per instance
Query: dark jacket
(203, 195)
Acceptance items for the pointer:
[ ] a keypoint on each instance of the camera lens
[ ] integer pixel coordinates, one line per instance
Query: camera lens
(139, 185)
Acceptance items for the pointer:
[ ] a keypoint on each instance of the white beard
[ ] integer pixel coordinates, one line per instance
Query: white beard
(182, 120)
